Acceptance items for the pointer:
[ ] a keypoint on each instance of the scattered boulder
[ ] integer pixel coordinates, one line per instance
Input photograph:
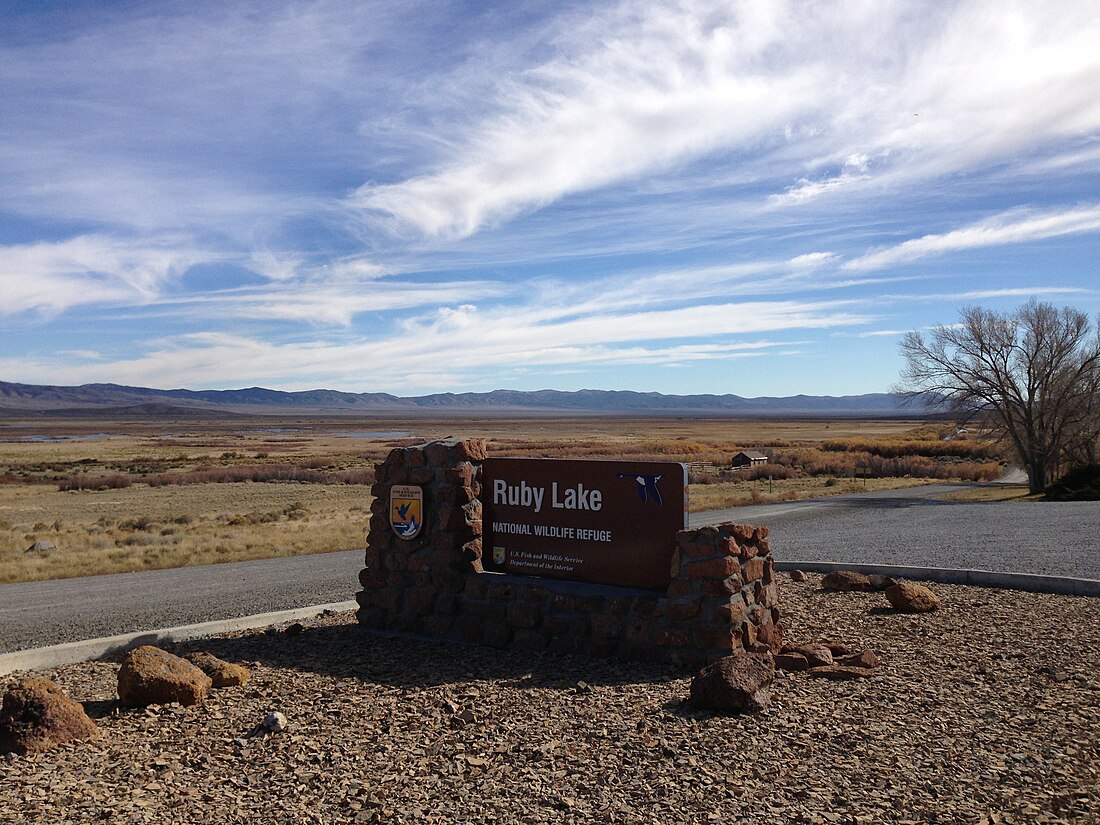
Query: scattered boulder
(791, 661)
(865, 659)
(151, 676)
(274, 722)
(36, 715)
(770, 636)
(848, 580)
(827, 659)
(41, 546)
(221, 673)
(798, 576)
(880, 582)
(734, 684)
(294, 629)
(912, 598)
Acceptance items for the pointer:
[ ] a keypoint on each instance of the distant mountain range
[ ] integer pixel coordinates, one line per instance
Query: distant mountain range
(117, 400)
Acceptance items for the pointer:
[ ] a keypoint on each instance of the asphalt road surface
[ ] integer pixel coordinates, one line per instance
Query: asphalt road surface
(907, 527)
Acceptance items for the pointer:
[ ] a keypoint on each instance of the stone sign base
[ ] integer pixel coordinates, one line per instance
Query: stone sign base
(722, 594)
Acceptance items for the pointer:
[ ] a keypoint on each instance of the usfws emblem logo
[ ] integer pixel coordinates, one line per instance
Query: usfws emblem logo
(500, 555)
(406, 510)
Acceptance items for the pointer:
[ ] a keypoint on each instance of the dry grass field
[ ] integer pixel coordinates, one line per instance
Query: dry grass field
(114, 495)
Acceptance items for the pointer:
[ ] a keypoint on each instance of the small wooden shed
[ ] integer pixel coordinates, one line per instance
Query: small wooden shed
(747, 459)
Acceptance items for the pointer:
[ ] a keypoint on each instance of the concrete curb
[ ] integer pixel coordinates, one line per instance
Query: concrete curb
(1059, 585)
(66, 654)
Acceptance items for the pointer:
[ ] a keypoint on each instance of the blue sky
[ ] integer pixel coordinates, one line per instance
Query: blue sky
(749, 197)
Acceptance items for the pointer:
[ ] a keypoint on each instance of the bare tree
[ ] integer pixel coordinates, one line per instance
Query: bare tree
(1034, 374)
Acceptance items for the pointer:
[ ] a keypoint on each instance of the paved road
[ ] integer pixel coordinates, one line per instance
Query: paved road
(918, 527)
(68, 610)
(906, 527)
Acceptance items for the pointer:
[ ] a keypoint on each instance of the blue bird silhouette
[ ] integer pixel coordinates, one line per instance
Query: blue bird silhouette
(647, 485)
(403, 511)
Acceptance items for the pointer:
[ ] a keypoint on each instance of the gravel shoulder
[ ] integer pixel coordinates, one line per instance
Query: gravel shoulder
(985, 711)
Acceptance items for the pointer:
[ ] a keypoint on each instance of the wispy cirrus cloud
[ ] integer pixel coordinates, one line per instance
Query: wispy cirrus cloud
(90, 269)
(1012, 227)
(641, 88)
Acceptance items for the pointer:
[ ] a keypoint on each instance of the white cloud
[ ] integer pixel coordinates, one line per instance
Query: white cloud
(1016, 226)
(875, 92)
(89, 269)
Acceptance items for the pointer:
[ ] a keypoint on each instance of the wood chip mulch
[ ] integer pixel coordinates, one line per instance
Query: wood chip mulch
(986, 711)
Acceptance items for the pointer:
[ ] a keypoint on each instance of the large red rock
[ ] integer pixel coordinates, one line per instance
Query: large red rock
(36, 715)
(912, 598)
(734, 684)
(845, 580)
(151, 676)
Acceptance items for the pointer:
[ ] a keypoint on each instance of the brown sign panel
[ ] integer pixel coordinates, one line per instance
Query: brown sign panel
(607, 522)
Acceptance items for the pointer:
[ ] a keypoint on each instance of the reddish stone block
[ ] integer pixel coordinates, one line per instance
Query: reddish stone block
(741, 532)
(530, 639)
(763, 547)
(461, 475)
(371, 581)
(721, 587)
(372, 557)
(563, 645)
(385, 599)
(674, 564)
(521, 614)
(497, 635)
(770, 597)
(748, 634)
(678, 588)
(437, 625)
(732, 613)
(746, 552)
(670, 637)
(449, 579)
(446, 603)
(475, 587)
(769, 570)
(620, 605)
(760, 533)
(606, 627)
(500, 591)
(420, 602)
(680, 611)
(698, 550)
(649, 607)
(471, 629)
(770, 635)
(414, 457)
(445, 539)
(556, 626)
(728, 546)
(475, 566)
(637, 630)
(775, 613)
(562, 603)
(451, 517)
(370, 617)
(492, 612)
(752, 570)
(472, 449)
(715, 637)
(379, 523)
(381, 476)
(454, 494)
(381, 502)
(707, 534)
(419, 475)
(419, 562)
(599, 648)
(717, 568)
(471, 550)
(436, 454)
